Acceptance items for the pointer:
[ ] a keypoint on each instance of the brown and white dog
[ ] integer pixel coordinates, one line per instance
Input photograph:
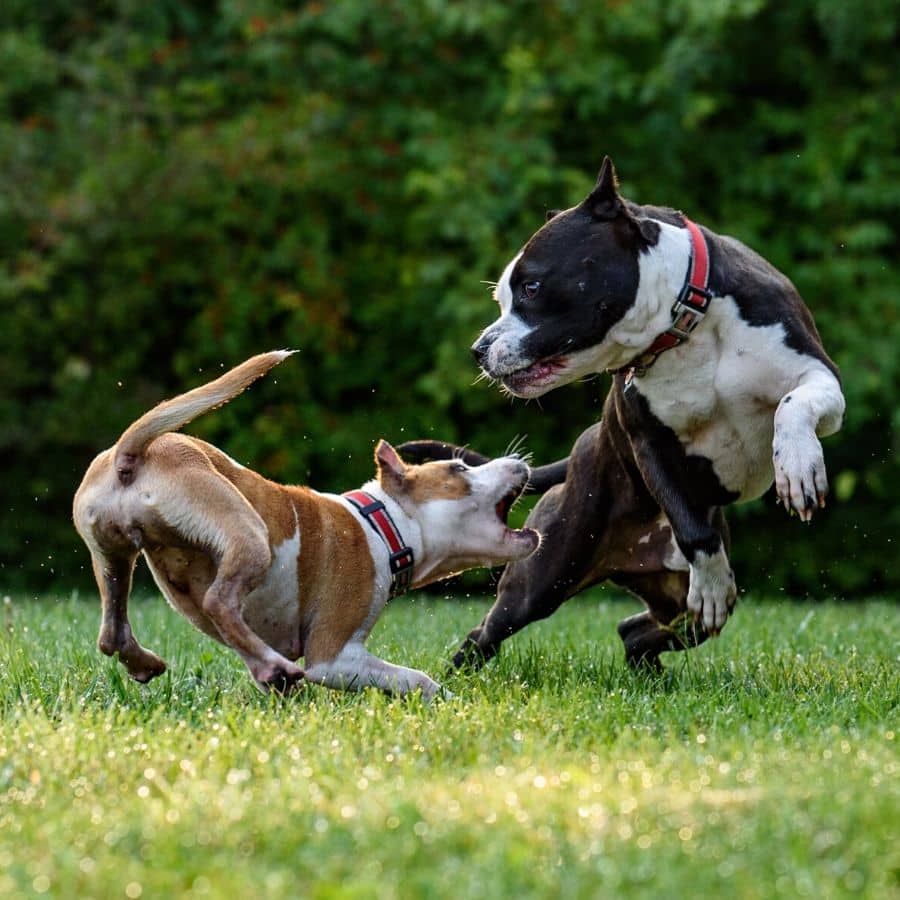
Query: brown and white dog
(278, 572)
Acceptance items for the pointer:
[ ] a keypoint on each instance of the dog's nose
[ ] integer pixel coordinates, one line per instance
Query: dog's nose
(522, 470)
(480, 348)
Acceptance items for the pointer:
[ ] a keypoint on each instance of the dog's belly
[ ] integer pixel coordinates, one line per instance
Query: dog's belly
(741, 454)
(272, 610)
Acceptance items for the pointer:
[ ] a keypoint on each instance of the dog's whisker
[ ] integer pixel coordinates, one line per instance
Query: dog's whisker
(514, 448)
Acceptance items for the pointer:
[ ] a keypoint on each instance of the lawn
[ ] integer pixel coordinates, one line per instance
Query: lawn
(764, 764)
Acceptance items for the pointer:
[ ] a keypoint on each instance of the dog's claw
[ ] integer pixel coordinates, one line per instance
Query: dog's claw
(801, 481)
(712, 592)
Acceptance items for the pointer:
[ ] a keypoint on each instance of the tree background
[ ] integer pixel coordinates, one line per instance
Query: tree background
(184, 184)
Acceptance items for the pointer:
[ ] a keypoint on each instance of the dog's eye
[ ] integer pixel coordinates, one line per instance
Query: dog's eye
(457, 467)
(530, 288)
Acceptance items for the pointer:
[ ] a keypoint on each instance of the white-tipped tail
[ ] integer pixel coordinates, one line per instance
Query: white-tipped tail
(171, 415)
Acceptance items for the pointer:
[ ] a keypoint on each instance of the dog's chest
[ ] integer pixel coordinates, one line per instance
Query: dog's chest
(719, 391)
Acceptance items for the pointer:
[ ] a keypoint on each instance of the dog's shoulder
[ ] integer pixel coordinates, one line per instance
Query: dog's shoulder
(763, 294)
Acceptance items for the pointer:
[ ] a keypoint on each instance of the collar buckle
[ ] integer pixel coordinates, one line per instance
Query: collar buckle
(688, 314)
(401, 565)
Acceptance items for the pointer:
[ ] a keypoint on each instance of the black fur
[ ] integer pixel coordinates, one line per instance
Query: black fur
(577, 276)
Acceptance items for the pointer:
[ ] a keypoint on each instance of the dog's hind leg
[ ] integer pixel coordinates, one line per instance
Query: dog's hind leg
(243, 563)
(242, 568)
(664, 626)
(113, 574)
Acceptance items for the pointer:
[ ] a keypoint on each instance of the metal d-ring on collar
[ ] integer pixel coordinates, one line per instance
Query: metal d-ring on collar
(400, 554)
(688, 310)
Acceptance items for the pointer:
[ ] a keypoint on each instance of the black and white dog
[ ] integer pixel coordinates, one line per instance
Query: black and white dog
(720, 384)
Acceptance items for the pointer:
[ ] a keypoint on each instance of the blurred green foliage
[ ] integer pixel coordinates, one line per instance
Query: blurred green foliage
(184, 184)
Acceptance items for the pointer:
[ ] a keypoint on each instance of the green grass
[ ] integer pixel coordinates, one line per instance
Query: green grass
(764, 764)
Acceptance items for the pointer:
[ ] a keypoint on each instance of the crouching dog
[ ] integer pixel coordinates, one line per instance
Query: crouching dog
(280, 572)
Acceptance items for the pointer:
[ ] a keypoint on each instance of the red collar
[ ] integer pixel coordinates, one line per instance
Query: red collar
(401, 555)
(687, 312)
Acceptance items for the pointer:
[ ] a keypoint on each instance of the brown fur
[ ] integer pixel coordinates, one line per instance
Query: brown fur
(336, 577)
(209, 529)
(435, 483)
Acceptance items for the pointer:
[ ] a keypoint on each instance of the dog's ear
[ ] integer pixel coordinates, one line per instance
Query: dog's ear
(552, 213)
(391, 469)
(604, 201)
(648, 230)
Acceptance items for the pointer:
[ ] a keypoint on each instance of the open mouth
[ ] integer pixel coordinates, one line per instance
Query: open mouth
(505, 504)
(526, 538)
(537, 375)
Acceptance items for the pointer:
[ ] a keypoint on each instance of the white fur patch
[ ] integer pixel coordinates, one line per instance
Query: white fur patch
(272, 610)
(718, 392)
(505, 352)
(502, 290)
(674, 560)
(661, 273)
(355, 669)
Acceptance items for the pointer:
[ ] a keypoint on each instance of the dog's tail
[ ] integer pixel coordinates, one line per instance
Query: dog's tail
(171, 415)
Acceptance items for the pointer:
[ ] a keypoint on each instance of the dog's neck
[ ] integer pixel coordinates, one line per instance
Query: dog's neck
(662, 274)
(432, 560)
(409, 527)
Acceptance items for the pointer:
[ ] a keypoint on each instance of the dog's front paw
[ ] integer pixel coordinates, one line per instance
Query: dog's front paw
(712, 592)
(427, 687)
(800, 478)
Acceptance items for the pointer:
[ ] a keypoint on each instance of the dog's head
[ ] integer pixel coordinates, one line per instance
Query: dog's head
(462, 510)
(564, 292)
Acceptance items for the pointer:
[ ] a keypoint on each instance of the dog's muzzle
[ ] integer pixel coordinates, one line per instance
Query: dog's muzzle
(481, 348)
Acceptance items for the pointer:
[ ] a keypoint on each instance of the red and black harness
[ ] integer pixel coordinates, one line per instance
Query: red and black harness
(400, 554)
(688, 310)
